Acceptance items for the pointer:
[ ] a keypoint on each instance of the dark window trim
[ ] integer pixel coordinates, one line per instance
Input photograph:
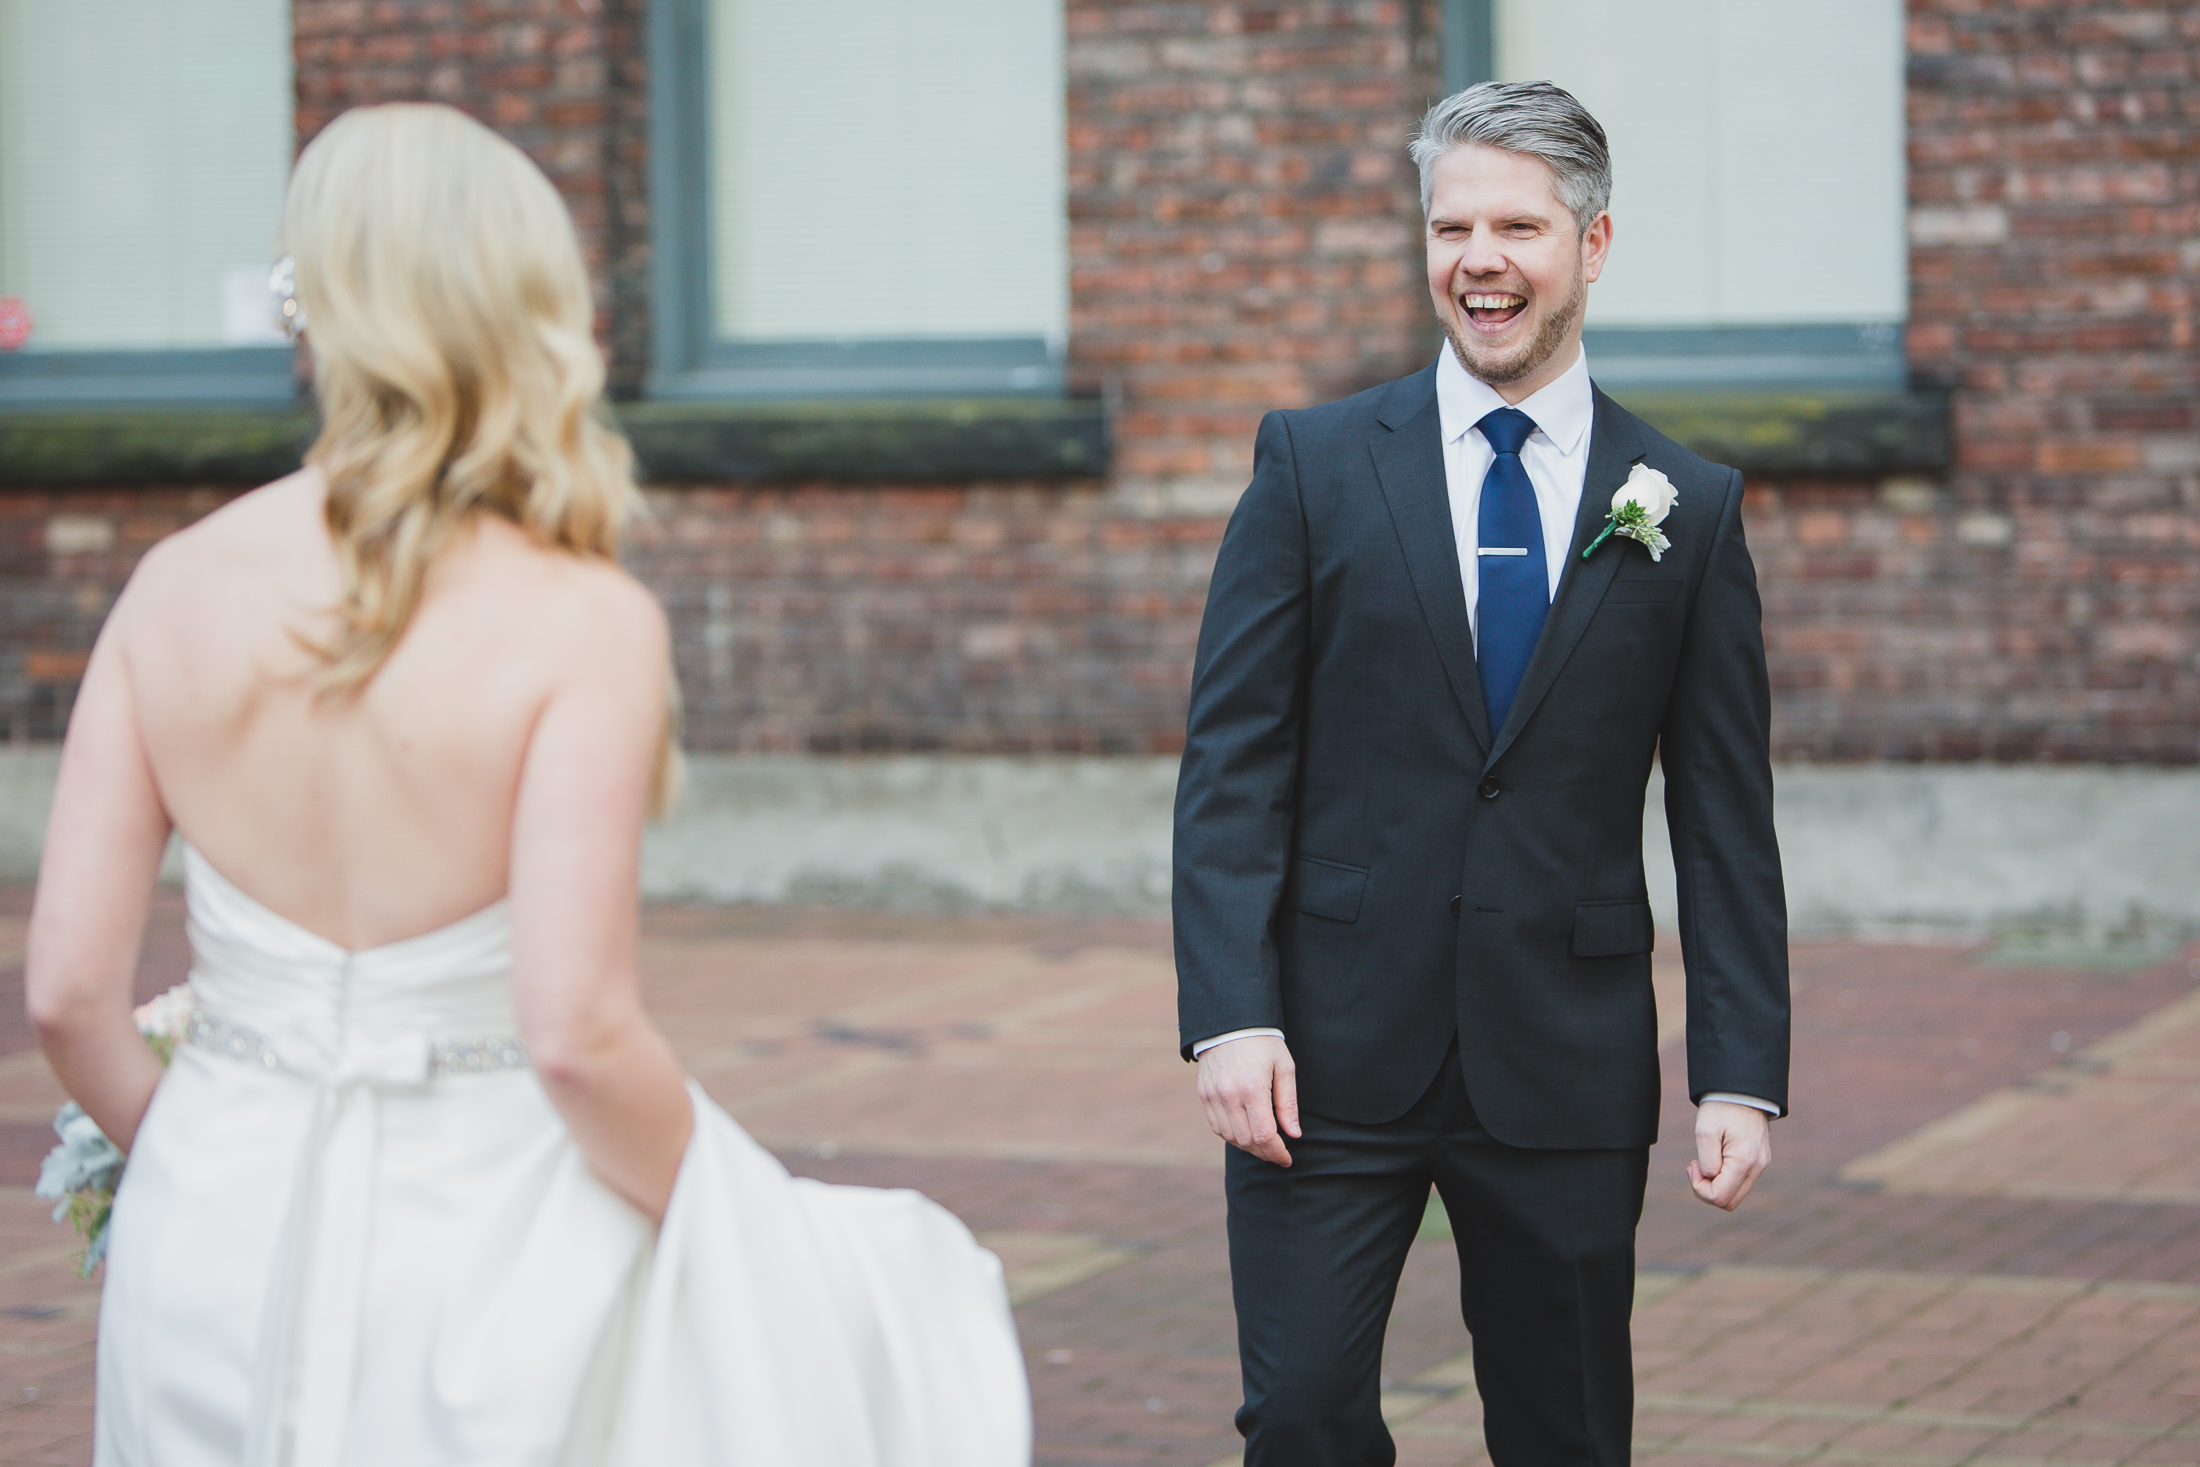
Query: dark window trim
(209, 377)
(688, 363)
(1469, 44)
(1843, 355)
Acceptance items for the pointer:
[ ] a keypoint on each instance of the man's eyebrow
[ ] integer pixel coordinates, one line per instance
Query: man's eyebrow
(1442, 221)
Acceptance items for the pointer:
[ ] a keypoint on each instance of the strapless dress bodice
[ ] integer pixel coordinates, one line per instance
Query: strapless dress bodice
(267, 987)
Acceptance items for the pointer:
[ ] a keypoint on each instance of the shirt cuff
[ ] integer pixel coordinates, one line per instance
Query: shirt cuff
(1206, 1044)
(1732, 1099)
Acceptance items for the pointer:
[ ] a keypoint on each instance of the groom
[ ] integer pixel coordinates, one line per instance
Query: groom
(1412, 932)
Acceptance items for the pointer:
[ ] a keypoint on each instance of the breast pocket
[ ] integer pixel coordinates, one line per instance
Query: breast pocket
(1643, 591)
(1327, 888)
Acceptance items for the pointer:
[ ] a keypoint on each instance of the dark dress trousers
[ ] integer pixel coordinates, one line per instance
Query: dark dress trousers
(1449, 922)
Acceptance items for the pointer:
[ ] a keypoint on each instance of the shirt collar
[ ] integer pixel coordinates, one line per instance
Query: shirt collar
(1561, 409)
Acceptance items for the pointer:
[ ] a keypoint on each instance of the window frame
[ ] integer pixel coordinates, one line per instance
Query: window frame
(181, 377)
(191, 378)
(690, 362)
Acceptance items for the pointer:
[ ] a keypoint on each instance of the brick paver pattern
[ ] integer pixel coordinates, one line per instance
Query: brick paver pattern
(1979, 1243)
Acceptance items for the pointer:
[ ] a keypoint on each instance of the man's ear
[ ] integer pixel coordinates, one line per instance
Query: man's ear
(1596, 244)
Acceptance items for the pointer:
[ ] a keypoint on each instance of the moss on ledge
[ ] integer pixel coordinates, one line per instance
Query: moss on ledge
(913, 441)
(1860, 434)
(125, 447)
(1832, 434)
(924, 440)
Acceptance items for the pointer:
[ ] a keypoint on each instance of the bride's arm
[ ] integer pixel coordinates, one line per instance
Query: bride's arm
(576, 857)
(104, 840)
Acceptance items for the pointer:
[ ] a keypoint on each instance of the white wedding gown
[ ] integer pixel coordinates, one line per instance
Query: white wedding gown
(353, 1233)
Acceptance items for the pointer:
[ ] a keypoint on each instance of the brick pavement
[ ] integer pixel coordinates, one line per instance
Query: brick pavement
(1980, 1242)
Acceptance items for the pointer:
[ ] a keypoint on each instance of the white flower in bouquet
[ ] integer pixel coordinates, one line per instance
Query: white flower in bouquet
(163, 1019)
(80, 1175)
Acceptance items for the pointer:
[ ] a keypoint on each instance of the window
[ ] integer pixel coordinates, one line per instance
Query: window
(859, 197)
(144, 149)
(1758, 195)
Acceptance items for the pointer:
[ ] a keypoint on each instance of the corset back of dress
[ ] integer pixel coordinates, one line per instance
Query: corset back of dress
(319, 1008)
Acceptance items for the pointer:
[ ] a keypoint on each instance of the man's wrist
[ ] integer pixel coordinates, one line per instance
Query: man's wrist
(1204, 1045)
(1732, 1098)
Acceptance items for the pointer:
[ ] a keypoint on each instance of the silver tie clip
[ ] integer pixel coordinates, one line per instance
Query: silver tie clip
(1500, 550)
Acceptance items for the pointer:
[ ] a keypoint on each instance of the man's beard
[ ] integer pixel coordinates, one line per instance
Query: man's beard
(1547, 339)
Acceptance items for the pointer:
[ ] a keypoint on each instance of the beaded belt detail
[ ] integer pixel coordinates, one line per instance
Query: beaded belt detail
(445, 1057)
(475, 1056)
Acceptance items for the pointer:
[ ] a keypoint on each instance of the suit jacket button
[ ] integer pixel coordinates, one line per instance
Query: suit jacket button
(1491, 788)
(1455, 906)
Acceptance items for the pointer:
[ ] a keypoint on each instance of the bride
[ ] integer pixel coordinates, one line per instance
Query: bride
(423, 1184)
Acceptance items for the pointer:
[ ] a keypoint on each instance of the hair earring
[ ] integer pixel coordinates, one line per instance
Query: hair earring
(283, 281)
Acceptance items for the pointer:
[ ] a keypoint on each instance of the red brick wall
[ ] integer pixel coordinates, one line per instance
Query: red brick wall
(1243, 220)
(2045, 602)
(1004, 617)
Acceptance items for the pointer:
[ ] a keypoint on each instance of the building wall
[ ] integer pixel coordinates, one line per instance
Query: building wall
(1243, 236)
(2044, 601)
(1244, 229)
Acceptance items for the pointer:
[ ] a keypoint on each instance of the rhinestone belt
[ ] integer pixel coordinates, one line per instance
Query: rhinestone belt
(446, 1057)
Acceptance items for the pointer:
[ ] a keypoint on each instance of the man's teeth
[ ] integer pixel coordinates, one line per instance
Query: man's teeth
(1491, 302)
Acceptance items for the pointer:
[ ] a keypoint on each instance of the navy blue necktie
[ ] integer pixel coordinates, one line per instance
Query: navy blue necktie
(1514, 592)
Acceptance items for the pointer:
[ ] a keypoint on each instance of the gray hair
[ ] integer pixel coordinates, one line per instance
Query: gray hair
(1532, 118)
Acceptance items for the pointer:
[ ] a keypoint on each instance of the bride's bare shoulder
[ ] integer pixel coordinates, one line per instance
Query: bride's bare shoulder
(573, 596)
(277, 525)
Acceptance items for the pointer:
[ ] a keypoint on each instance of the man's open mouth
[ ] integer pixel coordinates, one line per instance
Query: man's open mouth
(1492, 308)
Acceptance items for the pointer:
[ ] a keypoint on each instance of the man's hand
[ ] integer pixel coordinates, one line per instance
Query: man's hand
(1251, 1090)
(1733, 1146)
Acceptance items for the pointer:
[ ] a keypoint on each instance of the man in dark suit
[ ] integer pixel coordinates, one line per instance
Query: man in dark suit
(1413, 936)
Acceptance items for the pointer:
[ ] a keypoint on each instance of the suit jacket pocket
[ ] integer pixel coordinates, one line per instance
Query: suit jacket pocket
(1326, 889)
(1612, 929)
(1650, 590)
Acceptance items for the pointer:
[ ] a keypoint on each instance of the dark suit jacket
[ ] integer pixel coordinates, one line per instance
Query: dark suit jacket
(1361, 861)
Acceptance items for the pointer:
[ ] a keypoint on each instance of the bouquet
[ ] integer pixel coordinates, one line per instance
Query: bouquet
(80, 1175)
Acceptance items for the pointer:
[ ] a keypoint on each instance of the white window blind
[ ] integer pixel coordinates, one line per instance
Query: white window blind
(144, 149)
(1757, 152)
(883, 169)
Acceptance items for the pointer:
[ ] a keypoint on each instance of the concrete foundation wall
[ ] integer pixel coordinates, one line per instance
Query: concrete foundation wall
(2059, 856)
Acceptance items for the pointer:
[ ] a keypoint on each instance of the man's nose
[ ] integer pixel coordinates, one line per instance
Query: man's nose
(1483, 255)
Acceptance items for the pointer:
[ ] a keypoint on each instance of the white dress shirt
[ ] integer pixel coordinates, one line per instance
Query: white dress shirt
(1556, 457)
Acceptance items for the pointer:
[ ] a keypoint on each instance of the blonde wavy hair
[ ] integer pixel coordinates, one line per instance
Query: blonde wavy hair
(455, 360)
(453, 355)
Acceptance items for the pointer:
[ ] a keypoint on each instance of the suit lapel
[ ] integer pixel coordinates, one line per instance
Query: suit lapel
(1614, 447)
(1409, 464)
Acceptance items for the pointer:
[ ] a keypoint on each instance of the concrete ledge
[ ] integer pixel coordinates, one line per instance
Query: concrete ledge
(1062, 834)
(2046, 858)
(922, 441)
(2043, 856)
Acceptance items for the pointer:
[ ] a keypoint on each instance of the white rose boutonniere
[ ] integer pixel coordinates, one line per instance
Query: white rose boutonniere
(1639, 506)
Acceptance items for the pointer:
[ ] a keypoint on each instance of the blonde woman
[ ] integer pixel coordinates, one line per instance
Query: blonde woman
(423, 1184)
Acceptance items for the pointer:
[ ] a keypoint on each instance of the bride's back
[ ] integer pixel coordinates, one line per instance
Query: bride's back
(364, 815)
(337, 679)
